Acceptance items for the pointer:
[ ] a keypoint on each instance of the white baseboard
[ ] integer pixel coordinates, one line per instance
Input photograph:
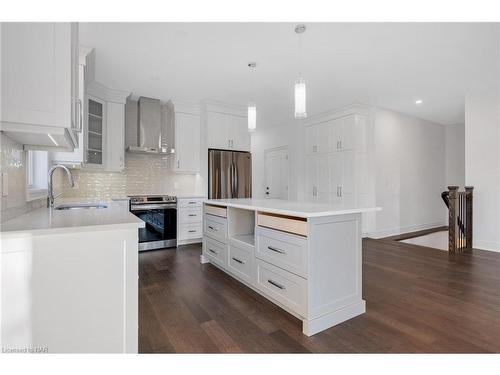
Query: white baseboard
(381, 233)
(487, 245)
(311, 327)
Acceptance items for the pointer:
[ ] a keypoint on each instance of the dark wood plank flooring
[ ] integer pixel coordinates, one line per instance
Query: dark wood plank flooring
(418, 300)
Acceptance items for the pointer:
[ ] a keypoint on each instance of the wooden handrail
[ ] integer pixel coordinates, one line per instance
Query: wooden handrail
(460, 216)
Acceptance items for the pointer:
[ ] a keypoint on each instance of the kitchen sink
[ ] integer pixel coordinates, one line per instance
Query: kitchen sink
(78, 206)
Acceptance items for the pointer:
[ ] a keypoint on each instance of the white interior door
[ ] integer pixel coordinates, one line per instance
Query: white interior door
(276, 173)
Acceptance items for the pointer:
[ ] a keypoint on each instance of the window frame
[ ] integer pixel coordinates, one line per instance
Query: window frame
(36, 180)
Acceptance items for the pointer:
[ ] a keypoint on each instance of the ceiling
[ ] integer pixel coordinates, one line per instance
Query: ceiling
(385, 64)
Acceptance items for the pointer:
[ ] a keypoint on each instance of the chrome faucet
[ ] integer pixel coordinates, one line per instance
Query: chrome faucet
(50, 197)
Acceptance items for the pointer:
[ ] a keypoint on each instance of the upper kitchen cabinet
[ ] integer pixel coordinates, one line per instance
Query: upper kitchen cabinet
(336, 134)
(187, 142)
(39, 84)
(75, 159)
(227, 128)
(104, 136)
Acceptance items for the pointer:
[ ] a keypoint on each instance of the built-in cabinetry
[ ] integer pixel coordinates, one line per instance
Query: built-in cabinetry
(76, 158)
(40, 106)
(104, 137)
(187, 142)
(308, 265)
(334, 148)
(227, 129)
(189, 219)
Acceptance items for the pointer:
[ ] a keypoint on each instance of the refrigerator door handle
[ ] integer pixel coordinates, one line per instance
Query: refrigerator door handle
(235, 174)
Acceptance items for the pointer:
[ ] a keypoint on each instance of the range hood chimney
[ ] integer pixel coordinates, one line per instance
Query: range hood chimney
(152, 129)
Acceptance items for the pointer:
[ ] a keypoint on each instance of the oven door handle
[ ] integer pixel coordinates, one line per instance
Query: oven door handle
(143, 207)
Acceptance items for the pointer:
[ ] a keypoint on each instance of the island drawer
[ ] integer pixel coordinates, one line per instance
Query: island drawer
(190, 215)
(290, 224)
(216, 251)
(283, 286)
(215, 210)
(287, 251)
(215, 227)
(240, 262)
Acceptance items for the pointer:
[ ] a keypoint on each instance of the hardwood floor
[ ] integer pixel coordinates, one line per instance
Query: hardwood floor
(418, 300)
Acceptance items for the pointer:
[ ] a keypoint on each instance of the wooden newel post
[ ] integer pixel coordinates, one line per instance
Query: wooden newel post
(468, 219)
(452, 219)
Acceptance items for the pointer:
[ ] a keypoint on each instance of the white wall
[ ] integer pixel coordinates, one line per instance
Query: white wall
(407, 164)
(409, 169)
(455, 155)
(482, 148)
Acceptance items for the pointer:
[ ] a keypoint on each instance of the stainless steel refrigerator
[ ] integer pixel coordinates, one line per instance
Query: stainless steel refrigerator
(229, 174)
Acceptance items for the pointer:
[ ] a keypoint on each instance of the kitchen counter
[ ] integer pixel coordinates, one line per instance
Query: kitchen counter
(60, 267)
(58, 221)
(291, 208)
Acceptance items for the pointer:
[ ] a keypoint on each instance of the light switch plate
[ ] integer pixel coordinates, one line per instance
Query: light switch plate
(5, 184)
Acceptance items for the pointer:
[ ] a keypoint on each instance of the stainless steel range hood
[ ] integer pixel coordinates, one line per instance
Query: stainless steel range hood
(153, 129)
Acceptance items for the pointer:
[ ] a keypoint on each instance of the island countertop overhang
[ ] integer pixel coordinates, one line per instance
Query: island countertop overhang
(290, 208)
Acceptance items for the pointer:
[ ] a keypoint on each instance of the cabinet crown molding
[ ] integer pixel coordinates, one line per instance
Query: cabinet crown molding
(355, 108)
(232, 109)
(105, 93)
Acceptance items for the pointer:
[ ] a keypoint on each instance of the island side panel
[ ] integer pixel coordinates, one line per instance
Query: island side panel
(335, 271)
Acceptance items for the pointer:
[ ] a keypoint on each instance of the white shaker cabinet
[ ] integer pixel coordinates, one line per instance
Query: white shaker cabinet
(227, 131)
(115, 137)
(105, 132)
(39, 84)
(76, 158)
(187, 142)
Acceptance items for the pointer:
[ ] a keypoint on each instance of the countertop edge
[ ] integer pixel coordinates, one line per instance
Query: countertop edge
(292, 212)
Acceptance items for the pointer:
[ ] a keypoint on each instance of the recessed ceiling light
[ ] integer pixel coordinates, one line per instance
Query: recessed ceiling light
(419, 101)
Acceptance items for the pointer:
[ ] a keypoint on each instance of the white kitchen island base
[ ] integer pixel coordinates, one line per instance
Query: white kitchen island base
(306, 258)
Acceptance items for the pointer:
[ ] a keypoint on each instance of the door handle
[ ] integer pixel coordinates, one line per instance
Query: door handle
(80, 116)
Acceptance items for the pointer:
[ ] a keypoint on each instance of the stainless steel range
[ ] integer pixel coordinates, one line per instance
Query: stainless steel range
(159, 212)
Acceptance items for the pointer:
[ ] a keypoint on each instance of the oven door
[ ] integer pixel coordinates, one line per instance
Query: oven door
(161, 225)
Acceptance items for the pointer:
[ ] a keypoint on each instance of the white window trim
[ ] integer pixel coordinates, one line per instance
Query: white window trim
(32, 192)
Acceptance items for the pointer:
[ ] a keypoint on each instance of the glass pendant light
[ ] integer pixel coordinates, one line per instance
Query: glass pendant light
(300, 84)
(252, 117)
(252, 108)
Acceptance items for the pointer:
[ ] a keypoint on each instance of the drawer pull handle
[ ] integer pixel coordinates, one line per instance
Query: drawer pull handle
(192, 231)
(213, 251)
(192, 215)
(238, 260)
(212, 228)
(276, 250)
(277, 285)
(192, 202)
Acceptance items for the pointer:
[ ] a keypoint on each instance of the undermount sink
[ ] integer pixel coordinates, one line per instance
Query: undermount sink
(78, 206)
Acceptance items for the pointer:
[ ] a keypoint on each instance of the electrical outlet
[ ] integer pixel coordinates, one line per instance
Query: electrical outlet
(5, 184)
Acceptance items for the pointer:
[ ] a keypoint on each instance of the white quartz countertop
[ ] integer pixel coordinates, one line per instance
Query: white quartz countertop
(291, 208)
(114, 216)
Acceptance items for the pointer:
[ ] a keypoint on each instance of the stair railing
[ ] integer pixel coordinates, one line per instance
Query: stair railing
(460, 208)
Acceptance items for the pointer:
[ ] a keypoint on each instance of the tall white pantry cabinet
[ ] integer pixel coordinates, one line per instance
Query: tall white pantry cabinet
(335, 158)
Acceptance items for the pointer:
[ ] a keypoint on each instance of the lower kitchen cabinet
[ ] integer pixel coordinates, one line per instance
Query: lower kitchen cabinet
(189, 220)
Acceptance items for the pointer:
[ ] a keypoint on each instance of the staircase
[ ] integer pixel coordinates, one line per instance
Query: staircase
(459, 205)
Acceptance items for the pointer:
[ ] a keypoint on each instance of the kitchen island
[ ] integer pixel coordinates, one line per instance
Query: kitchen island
(304, 257)
(69, 279)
